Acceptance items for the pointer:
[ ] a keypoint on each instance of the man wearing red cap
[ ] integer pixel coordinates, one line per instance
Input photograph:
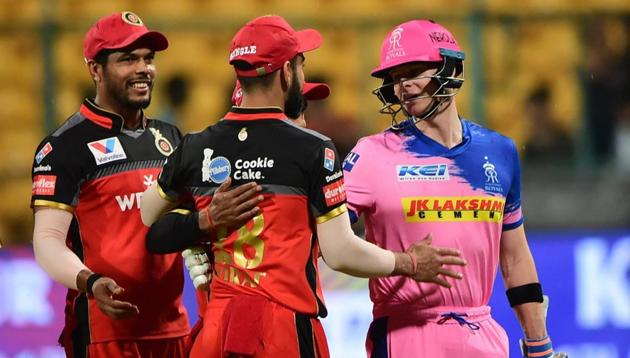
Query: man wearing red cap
(88, 179)
(178, 229)
(266, 297)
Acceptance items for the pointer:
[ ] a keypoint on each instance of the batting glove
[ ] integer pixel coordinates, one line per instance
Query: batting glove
(198, 266)
(540, 348)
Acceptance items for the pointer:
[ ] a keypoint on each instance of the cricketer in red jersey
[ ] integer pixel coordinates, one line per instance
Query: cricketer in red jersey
(88, 180)
(265, 295)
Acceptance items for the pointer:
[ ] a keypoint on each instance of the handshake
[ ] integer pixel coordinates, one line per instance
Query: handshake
(427, 263)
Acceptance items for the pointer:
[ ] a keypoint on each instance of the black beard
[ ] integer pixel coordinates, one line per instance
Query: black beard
(124, 101)
(294, 105)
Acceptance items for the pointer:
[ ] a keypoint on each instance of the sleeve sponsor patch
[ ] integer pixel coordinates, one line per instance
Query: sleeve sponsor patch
(44, 184)
(334, 193)
(350, 161)
(47, 148)
(329, 159)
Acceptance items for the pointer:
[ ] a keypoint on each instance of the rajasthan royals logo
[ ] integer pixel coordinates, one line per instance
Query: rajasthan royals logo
(491, 174)
(394, 39)
(395, 49)
(492, 177)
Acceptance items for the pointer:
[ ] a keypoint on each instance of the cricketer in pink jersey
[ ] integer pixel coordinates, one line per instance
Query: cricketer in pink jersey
(456, 183)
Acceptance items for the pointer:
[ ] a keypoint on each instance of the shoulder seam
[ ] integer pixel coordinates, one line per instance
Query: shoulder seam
(69, 123)
(306, 130)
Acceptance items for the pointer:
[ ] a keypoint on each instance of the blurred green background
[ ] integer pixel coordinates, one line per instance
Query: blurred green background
(553, 75)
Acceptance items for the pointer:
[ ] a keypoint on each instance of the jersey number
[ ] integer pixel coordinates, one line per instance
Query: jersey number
(245, 238)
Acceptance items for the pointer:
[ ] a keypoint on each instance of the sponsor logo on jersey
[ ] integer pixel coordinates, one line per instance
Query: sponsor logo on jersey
(335, 176)
(107, 150)
(351, 159)
(44, 184)
(329, 159)
(453, 209)
(132, 201)
(242, 134)
(334, 193)
(427, 172)
(251, 169)
(216, 169)
(492, 177)
(47, 148)
(42, 168)
(161, 143)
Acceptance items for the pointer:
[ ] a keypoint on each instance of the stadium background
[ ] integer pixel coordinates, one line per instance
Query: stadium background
(553, 75)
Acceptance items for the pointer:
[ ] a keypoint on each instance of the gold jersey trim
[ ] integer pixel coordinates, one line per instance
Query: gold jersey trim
(331, 214)
(164, 195)
(53, 204)
(181, 211)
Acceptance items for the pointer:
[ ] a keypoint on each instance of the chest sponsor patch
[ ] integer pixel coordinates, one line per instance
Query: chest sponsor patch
(329, 159)
(428, 172)
(44, 184)
(216, 169)
(334, 193)
(47, 148)
(107, 150)
(453, 209)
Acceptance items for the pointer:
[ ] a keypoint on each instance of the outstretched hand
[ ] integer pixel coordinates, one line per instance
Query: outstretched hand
(104, 290)
(231, 207)
(430, 261)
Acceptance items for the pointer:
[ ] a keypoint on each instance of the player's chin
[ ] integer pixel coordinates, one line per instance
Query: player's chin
(141, 102)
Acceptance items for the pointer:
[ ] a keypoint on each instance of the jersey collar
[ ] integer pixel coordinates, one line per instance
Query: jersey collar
(254, 113)
(426, 145)
(105, 118)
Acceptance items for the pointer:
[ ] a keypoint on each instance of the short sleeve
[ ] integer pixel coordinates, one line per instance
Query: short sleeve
(327, 195)
(357, 174)
(56, 177)
(513, 214)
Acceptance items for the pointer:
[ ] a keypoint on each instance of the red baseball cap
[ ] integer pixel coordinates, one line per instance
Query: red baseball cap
(311, 91)
(120, 30)
(267, 42)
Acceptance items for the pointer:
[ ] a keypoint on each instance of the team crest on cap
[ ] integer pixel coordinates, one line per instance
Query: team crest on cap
(131, 18)
(161, 143)
(395, 49)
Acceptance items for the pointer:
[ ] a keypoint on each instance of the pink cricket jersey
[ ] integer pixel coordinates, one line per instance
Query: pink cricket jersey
(406, 186)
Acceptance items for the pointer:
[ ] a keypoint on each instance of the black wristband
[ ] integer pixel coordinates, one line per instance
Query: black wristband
(90, 282)
(531, 292)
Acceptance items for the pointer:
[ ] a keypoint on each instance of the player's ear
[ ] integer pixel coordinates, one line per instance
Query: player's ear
(95, 70)
(286, 75)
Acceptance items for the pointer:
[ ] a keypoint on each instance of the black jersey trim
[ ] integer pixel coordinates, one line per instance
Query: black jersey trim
(304, 332)
(266, 189)
(311, 278)
(124, 167)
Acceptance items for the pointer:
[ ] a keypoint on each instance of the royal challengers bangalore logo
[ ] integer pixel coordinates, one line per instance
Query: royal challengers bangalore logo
(161, 143)
(131, 18)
